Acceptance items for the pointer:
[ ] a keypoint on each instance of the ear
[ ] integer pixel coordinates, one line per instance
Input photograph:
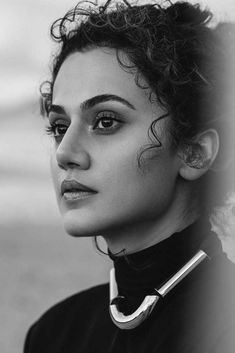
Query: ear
(199, 157)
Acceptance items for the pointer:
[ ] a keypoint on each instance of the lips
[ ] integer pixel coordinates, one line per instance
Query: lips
(73, 190)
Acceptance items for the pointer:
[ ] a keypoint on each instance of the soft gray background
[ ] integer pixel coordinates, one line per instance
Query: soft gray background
(39, 263)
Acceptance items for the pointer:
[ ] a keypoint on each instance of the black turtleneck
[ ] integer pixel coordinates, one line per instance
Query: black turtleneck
(139, 273)
(197, 316)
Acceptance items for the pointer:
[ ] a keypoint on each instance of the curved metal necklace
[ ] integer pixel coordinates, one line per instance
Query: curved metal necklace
(127, 322)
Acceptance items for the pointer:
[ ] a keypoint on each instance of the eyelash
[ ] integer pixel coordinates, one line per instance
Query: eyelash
(106, 116)
(52, 129)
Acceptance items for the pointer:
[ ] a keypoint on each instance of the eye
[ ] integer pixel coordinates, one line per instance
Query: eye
(57, 130)
(107, 121)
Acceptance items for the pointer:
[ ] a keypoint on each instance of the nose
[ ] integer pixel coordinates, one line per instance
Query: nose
(71, 152)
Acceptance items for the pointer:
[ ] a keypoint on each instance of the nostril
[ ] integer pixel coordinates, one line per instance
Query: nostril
(61, 166)
(62, 159)
(72, 165)
(73, 159)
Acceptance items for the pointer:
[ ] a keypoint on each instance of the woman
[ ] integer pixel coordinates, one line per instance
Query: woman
(136, 138)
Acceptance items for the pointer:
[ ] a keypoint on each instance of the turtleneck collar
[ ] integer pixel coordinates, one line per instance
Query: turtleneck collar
(139, 273)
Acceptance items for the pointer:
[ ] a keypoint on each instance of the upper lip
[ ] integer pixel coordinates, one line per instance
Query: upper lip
(71, 185)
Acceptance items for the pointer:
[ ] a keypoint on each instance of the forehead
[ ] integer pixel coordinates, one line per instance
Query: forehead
(94, 72)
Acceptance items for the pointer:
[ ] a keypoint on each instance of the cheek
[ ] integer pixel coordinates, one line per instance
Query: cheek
(53, 166)
(130, 182)
(119, 163)
(54, 173)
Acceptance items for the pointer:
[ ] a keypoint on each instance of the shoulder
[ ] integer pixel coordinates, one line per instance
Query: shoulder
(212, 302)
(215, 283)
(73, 314)
(202, 307)
(221, 272)
(79, 298)
(83, 301)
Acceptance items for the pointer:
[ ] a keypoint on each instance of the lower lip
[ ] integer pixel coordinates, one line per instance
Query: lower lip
(77, 195)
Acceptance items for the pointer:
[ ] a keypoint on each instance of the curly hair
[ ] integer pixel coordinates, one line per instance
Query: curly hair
(171, 46)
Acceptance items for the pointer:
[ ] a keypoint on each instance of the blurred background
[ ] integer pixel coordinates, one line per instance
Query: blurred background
(39, 263)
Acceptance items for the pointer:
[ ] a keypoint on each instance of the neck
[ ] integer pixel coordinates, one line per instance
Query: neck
(135, 237)
(139, 273)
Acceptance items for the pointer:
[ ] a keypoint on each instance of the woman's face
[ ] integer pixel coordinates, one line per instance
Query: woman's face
(100, 120)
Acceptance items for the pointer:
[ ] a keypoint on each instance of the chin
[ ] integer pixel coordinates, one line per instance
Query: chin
(75, 224)
(77, 230)
(79, 226)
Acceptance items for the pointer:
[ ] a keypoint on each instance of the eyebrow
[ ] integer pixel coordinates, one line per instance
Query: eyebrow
(91, 102)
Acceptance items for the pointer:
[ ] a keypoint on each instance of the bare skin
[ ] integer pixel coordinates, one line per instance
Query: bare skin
(97, 143)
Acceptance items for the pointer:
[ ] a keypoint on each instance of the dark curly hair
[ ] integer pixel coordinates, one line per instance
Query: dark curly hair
(172, 46)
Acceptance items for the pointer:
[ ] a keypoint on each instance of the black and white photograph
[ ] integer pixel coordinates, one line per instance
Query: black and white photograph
(117, 169)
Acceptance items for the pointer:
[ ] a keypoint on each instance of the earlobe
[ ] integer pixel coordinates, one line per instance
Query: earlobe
(199, 157)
